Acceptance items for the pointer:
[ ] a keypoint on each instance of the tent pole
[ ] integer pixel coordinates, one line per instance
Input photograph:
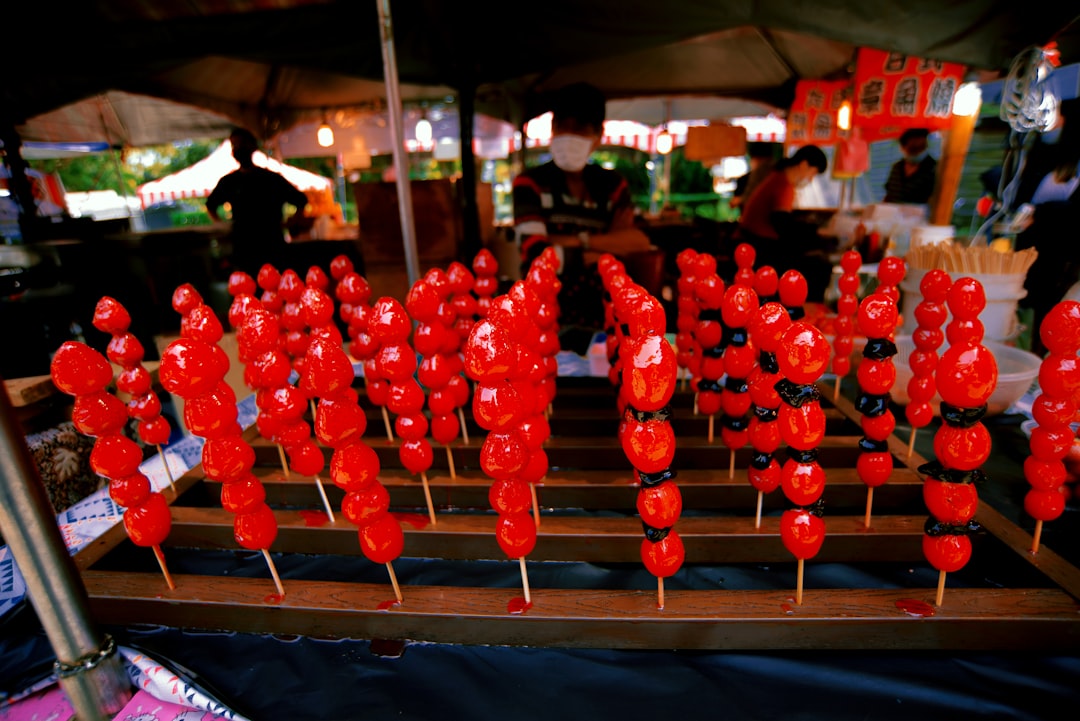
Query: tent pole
(88, 664)
(474, 239)
(397, 136)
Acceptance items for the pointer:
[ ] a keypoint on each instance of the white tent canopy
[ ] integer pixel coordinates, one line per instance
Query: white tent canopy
(199, 179)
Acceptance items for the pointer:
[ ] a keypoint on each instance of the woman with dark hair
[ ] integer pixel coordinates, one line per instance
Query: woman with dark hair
(767, 222)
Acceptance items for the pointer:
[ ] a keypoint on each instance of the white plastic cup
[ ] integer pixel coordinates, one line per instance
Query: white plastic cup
(1003, 293)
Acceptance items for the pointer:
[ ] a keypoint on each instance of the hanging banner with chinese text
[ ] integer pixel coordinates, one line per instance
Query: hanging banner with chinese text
(894, 92)
(812, 119)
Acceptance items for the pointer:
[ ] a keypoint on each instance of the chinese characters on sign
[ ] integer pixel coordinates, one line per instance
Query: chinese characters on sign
(813, 114)
(894, 92)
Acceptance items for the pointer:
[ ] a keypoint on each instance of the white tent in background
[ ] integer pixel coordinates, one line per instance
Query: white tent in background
(199, 179)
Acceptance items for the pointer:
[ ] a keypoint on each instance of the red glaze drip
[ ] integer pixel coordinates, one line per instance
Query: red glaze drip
(913, 607)
(315, 519)
(416, 520)
(387, 605)
(787, 609)
(273, 599)
(517, 606)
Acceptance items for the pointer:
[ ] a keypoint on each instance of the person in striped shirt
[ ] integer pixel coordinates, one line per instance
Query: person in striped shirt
(580, 208)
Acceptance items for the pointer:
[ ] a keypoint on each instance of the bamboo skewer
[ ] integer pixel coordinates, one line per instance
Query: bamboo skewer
(274, 573)
(394, 582)
(940, 589)
(168, 471)
(427, 497)
(757, 518)
(731, 465)
(799, 582)
(386, 422)
(325, 500)
(711, 434)
(464, 430)
(450, 463)
(525, 581)
(660, 592)
(911, 444)
(1036, 537)
(284, 462)
(535, 504)
(164, 569)
(869, 505)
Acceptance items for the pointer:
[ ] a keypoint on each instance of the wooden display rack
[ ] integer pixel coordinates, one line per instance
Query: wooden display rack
(717, 526)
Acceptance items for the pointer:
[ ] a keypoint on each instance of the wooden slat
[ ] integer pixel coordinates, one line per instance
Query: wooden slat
(29, 390)
(708, 539)
(969, 620)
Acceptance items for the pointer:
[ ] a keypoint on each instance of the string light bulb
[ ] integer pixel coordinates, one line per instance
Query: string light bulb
(423, 131)
(325, 134)
(967, 100)
(664, 142)
(843, 116)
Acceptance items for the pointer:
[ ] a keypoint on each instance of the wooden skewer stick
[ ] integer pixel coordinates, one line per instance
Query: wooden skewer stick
(799, 582)
(525, 581)
(450, 463)
(1038, 534)
(464, 430)
(427, 497)
(911, 444)
(274, 573)
(836, 390)
(695, 404)
(731, 466)
(394, 583)
(757, 519)
(711, 434)
(940, 588)
(312, 402)
(284, 462)
(325, 500)
(386, 422)
(660, 592)
(164, 569)
(869, 505)
(168, 471)
(536, 504)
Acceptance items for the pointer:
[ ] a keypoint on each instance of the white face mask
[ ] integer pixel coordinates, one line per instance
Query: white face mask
(571, 152)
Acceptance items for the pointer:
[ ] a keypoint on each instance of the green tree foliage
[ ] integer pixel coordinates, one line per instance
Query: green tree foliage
(123, 171)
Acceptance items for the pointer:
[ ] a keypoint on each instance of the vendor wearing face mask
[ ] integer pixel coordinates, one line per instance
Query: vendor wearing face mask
(582, 209)
(767, 222)
(911, 179)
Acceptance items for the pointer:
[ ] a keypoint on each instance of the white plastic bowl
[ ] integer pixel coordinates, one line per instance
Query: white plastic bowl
(1017, 370)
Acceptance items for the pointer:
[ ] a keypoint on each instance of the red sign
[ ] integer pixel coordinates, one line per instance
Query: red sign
(812, 119)
(894, 92)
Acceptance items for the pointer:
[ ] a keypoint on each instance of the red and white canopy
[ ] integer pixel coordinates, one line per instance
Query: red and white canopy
(199, 179)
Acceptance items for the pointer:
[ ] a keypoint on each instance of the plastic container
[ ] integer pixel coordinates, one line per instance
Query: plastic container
(1003, 293)
(1017, 371)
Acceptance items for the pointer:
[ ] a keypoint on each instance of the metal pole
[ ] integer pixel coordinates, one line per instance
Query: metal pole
(397, 136)
(90, 670)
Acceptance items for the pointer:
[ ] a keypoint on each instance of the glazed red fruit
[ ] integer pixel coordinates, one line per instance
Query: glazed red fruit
(921, 389)
(125, 350)
(929, 314)
(240, 283)
(317, 307)
(1059, 375)
(649, 445)
(316, 278)
(77, 369)
(444, 428)
(793, 289)
(353, 289)
(1051, 443)
(803, 427)
(665, 557)
(99, 414)
(962, 331)
(144, 407)
(203, 324)
(256, 529)
(489, 353)
(510, 496)
(951, 503)
(268, 277)
(115, 456)
(339, 266)
(947, 552)
(879, 428)
(851, 261)
(877, 316)
(1049, 410)
(503, 454)
(185, 298)
(227, 459)
(874, 469)
(963, 449)
(148, 524)
(367, 506)
(212, 415)
(327, 369)
(405, 398)
(966, 298)
(765, 479)
(284, 403)
(923, 362)
(876, 377)
(967, 376)
(354, 467)
(135, 381)
(240, 307)
(935, 286)
(516, 534)
(891, 270)
(739, 306)
(650, 371)
(1060, 329)
(766, 281)
(762, 389)
(243, 495)
(383, 540)
(803, 354)
(110, 316)
(411, 427)
(1044, 475)
(496, 405)
(189, 368)
(306, 458)
(416, 455)
(764, 437)
(155, 432)
(708, 333)
(660, 506)
(803, 483)
(1044, 505)
(735, 404)
(709, 291)
(129, 491)
(536, 468)
(802, 533)
(708, 403)
(389, 322)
